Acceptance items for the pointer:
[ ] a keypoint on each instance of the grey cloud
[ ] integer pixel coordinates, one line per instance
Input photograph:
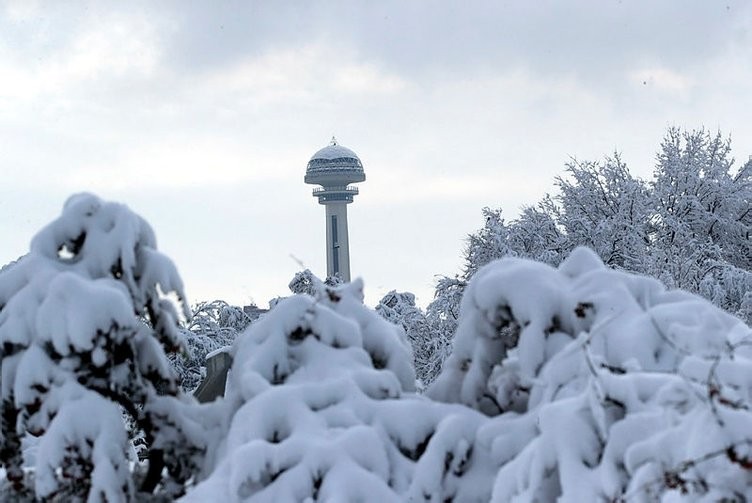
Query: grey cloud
(587, 37)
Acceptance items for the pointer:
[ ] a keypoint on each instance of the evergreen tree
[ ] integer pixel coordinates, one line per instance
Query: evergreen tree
(75, 351)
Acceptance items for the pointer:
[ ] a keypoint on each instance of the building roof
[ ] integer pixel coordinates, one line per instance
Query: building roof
(334, 166)
(335, 151)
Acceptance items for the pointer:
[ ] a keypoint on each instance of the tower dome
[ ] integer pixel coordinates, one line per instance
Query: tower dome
(334, 165)
(334, 151)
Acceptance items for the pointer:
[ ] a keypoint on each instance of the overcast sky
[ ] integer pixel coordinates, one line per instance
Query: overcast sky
(201, 116)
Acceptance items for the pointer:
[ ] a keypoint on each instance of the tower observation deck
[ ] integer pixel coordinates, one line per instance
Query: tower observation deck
(334, 168)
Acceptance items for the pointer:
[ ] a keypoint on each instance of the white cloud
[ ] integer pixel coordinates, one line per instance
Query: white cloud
(120, 46)
(22, 10)
(365, 79)
(303, 75)
(177, 164)
(448, 112)
(115, 47)
(662, 79)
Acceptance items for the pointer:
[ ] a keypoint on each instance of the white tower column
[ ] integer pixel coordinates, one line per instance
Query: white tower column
(337, 241)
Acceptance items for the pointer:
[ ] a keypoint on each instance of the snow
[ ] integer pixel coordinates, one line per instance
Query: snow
(75, 350)
(570, 383)
(430, 349)
(576, 383)
(626, 401)
(94, 425)
(336, 151)
(212, 354)
(321, 406)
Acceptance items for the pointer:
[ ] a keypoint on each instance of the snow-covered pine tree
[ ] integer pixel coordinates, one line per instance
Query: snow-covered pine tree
(576, 383)
(320, 408)
(602, 385)
(75, 352)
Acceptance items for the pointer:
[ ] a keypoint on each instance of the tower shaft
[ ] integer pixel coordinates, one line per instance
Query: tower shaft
(337, 241)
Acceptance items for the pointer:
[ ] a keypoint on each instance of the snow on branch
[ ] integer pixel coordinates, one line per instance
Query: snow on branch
(576, 383)
(86, 320)
(602, 385)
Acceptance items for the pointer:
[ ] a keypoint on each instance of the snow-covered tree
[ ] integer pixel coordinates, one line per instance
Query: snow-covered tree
(702, 221)
(536, 234)
(488, 244)
(75, 352)
(321, 408)
(213, 325)
(602, 386)
(602, 206)
(304, 282)
(429, 348)
(599, 205)
(690, 227)
(576, 383)
(445, 306)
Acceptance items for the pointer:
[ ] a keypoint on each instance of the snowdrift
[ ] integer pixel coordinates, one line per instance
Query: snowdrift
(579, 384)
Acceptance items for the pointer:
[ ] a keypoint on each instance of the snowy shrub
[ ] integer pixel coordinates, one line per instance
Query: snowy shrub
(576, 383)
(75, 351)
(603, 386)
(321, 409)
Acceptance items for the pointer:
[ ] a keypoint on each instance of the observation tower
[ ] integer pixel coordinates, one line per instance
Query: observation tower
(334, 167)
